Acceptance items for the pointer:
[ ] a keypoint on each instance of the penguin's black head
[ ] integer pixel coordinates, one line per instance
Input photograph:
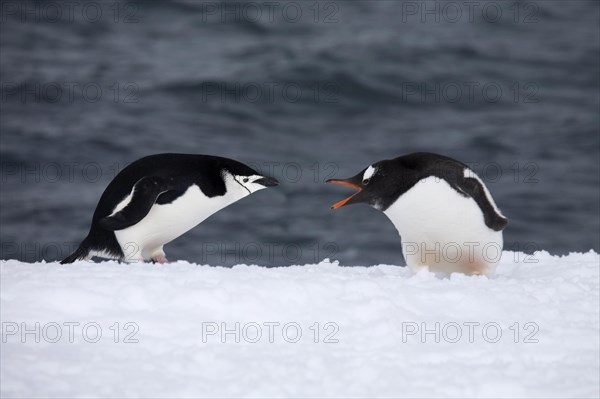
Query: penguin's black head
(378, 185)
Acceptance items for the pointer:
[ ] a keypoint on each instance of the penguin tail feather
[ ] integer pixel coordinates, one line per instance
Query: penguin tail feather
(81, 252)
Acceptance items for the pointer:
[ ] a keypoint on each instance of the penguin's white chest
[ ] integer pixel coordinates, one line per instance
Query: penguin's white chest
(440, 227)
(164, 223)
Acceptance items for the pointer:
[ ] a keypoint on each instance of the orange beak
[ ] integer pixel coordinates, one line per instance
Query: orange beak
(344, 183)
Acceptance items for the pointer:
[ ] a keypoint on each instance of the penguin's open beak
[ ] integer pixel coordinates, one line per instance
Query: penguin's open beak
(267, 181)
(345, 183)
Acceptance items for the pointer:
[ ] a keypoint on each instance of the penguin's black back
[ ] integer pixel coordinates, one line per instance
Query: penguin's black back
(420, 165)
(178, 171)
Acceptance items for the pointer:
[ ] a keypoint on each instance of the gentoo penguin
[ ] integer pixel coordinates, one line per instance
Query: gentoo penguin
(444, 213)
(158, 198)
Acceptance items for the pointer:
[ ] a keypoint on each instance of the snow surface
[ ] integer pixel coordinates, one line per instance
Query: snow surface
(373, 311)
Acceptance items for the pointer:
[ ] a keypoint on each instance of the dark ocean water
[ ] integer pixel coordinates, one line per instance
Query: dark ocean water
(306, 90)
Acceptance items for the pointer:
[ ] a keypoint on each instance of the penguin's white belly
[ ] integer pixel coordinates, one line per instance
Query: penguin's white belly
(164, 223)
(443, 229)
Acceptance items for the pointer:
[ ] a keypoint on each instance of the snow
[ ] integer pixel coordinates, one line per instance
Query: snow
(373, 345)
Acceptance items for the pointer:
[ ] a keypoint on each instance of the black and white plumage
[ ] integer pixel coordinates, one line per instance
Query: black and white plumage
(160, 197)
(444, 213)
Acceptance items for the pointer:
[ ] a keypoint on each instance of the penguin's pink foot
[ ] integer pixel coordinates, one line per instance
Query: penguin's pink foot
(160, 259)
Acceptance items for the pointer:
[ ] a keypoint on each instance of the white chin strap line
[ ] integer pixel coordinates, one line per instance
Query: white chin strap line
(238, 182)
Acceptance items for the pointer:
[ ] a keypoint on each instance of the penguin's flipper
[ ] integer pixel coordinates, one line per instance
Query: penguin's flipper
(475, 189)
(145, 193)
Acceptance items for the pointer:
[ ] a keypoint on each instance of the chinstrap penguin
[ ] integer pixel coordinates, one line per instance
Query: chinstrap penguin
(160, 197)
(443, 211)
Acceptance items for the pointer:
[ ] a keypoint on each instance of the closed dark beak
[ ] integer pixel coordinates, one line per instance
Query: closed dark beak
(267, 181)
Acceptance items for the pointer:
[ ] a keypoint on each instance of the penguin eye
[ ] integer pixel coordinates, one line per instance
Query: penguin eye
(246, 180)
(366, 181)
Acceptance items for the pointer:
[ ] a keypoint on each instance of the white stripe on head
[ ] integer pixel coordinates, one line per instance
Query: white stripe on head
(369, 172)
